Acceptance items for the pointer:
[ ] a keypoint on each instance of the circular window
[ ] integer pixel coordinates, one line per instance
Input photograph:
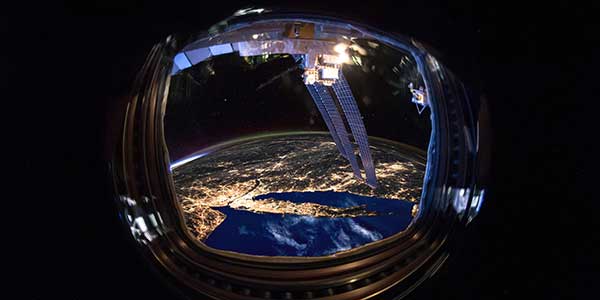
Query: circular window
(294, 156)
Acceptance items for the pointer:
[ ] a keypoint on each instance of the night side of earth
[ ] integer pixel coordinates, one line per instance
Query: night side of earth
(295, 194)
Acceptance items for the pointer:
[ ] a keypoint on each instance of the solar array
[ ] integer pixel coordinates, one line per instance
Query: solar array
(312, 89)
(335, 124)
(340, 129)
(350, 108)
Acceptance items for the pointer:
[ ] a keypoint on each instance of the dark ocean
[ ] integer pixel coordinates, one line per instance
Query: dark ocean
(295, 235)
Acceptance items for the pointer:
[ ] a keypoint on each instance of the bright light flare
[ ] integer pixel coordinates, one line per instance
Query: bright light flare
(343, 58)
(340, 48)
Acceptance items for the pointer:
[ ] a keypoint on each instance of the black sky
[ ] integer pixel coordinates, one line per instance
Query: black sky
(69, 65)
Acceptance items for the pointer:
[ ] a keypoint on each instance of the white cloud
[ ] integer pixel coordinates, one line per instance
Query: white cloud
(282, 236)
(371, 235)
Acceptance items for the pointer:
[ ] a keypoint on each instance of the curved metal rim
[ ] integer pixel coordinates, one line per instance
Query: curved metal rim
(142, 159)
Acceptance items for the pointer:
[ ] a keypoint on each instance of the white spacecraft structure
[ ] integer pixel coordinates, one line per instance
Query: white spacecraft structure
(323, 57)
(418, 97)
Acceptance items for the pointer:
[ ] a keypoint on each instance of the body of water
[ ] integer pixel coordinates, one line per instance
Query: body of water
(295, 235)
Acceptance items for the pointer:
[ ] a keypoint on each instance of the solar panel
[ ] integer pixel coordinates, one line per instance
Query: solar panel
(340, 129)
(312, 89)
(350, 108)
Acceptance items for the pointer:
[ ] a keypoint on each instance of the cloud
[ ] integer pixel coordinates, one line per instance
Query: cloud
(371, 235)
(343, 237)
(244, 231)
(282, 236)
(308, 219)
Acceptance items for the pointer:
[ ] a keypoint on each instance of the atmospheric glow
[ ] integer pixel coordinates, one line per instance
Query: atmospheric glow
(186, 160)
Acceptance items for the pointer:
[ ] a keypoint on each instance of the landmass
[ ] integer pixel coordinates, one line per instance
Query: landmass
(235, 175)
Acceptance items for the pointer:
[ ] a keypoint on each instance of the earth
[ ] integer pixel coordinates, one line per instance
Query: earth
(295, 195)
